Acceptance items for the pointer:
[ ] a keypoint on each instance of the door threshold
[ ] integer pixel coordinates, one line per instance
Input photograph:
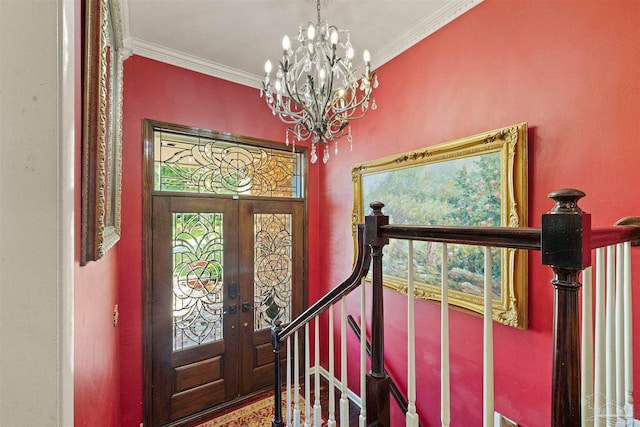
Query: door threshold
(220, 409)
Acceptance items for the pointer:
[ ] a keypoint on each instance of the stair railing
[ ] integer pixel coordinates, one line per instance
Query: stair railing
(282, 334)
(566, 240)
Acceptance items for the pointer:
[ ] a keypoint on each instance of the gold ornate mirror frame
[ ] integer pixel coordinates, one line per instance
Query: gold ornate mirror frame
(478, 180)
(102, 60)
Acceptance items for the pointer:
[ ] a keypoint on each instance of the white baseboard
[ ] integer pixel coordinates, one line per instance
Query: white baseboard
(500, 420)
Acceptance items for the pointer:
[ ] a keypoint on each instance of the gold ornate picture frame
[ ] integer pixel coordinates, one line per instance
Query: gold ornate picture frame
(480, 180)
(102, 60)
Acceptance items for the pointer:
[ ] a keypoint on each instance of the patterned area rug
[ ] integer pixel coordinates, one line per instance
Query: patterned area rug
(256, 414)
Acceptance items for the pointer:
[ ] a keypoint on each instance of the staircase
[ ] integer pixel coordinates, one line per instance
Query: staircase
(567, 243)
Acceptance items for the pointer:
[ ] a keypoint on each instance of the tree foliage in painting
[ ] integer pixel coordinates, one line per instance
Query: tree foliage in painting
(464, 192)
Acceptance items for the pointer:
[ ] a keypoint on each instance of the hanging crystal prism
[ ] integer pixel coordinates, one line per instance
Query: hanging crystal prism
(325, 157)
(314, 156)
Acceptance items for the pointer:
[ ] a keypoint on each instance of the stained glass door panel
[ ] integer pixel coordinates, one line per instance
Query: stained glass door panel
(195, 274)
(198, 268)
(273, 268)
(272, 281)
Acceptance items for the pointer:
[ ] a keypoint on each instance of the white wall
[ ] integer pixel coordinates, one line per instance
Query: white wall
(36, 207)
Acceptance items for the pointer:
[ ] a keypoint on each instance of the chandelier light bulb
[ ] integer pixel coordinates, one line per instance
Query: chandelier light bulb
(267, 67)
(349, 53)
(366, 56)
(311, 32)
(334, 38)
(286, 44)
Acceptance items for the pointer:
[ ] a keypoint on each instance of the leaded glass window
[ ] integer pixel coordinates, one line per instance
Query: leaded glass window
(272, 269)
(185, 163)
(197, 279)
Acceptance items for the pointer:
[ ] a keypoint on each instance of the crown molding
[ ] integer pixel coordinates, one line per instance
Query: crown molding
(193, 63)
(422, 29)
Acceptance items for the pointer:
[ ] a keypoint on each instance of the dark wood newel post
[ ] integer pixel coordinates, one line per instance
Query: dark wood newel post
(277, 384)
(378, 412)
(566, 249)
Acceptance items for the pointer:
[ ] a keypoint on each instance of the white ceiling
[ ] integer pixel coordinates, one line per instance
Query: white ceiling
(232, 39)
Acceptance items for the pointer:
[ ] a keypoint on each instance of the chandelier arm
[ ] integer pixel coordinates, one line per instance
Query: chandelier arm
(294, 116)
(325, 111)
(354, 117)
(300, 135)
(365, 98)
(296, 99)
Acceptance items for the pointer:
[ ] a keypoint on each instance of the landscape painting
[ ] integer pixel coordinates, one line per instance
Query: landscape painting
(476, 181)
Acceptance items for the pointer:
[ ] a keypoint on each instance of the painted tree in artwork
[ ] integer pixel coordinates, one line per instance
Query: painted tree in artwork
(477, 193)
(465, 192)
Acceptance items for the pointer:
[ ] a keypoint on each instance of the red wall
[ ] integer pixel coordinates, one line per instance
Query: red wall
(96, 359)
(569, 69)
(163, 92)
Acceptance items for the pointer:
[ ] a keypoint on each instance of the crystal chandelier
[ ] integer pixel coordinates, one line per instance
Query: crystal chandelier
(316, 91)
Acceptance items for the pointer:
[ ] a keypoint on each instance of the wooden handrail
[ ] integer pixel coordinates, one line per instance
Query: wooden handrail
(360, 270)
(605, 236)
(506, 237)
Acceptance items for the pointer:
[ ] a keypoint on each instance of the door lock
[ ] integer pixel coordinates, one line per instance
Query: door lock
(246, 306)
(233, 290)
(233, 309)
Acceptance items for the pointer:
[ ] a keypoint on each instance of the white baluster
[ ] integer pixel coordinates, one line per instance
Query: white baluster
(445, 399)
(296, 380)
(610, 340)
(599, 414)
(488, 341)
(587, 349)
(412, 416)
(332, 385)
(619, 334)
(363, 355)
(628, 333)
(344, 396)
(307, 378)
(317, 409)
(288, 399)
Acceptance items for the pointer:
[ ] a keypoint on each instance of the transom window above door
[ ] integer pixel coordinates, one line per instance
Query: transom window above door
(210, 165)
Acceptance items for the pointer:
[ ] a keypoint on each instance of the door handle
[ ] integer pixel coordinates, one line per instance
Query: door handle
(233, 309)
(246, 306)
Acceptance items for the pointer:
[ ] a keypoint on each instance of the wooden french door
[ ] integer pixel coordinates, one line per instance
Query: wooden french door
(223, 270)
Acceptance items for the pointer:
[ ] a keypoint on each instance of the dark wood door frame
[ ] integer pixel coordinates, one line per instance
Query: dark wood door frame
(149, 129)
